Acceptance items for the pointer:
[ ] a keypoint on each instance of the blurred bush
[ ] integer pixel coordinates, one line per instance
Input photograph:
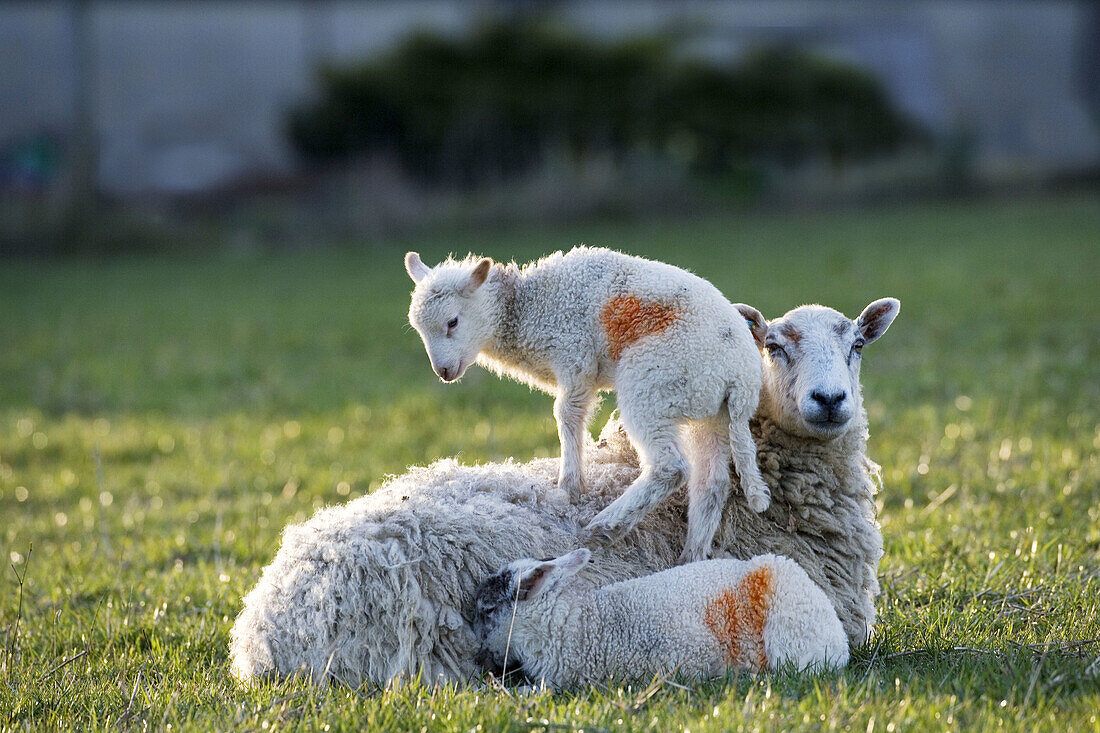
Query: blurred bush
(499, 102)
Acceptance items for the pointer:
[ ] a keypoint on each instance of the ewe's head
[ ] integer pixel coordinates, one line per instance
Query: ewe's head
(497, 597)
(811, 366)
(451, 311)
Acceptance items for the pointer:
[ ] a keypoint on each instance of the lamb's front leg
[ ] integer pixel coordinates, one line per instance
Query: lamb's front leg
(571, 412)
(664, 468)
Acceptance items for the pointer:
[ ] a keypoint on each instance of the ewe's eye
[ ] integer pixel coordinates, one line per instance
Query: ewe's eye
(776, 351)
(451, 325)
(856, 352)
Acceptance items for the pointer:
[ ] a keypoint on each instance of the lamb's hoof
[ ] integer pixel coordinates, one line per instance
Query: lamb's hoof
(592, 540)
(759, 503)
(597, 535)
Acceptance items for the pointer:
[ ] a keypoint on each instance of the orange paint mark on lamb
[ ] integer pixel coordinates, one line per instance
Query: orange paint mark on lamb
(628, 318)
(737, 616)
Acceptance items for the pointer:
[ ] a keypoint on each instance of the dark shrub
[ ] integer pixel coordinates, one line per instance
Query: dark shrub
(495, 104)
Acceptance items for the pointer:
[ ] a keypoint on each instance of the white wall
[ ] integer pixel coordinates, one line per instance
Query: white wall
(190, 95)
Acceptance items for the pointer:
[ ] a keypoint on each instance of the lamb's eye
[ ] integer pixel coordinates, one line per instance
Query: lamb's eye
(858, 347)
(776, 351)
(452, 323)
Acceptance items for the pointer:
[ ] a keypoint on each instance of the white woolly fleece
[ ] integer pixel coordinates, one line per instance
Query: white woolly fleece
(382, 587)
(668, 342)
(698, 620)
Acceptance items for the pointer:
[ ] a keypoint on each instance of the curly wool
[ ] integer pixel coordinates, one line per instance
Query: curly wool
(822, 515)
(668, 342)
(380, 589)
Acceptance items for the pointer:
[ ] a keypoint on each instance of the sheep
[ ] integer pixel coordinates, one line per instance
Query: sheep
(668, 342)
(380, 589)
(697, 620)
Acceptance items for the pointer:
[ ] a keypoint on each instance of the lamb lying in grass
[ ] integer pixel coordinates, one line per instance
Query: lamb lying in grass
(381, 588)
(697, 620)
(669, 343)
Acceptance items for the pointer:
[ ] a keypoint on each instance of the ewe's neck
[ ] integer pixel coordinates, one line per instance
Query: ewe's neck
(850, 446)
(813, 474)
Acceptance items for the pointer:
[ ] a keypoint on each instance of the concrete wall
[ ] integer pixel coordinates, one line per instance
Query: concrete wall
(190, 95)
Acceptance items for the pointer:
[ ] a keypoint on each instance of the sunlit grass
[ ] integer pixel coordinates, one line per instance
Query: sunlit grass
(161, 420)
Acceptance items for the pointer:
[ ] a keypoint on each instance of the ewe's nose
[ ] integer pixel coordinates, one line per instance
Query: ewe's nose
(830, 400)
(445, 373)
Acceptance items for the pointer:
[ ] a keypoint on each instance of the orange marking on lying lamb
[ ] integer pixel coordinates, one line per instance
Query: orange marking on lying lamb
(737, 616)
(628, 318)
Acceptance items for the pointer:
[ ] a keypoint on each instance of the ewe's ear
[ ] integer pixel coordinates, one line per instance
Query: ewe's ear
(877, 317)
(415, 267)
(477, 277)
(545, 575)
(757, 324)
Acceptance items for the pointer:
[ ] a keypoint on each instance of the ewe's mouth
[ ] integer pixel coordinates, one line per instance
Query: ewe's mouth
(830, 425)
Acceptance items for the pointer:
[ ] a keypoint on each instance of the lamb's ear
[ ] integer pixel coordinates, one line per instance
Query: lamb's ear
(545, 575)
(877, 317)
(478, 276)
(415, 267)
(757, 323)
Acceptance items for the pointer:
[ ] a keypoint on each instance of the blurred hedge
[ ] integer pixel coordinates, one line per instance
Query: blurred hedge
(498, 102)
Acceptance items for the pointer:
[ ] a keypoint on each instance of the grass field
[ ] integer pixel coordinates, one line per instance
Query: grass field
(162, 419)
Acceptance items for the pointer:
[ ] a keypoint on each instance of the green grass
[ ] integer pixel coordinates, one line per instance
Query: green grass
(162, 419)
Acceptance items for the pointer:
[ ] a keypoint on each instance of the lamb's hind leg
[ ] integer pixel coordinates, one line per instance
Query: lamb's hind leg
(571, 411)
(708, 488)
(757, 493)
(664, 468)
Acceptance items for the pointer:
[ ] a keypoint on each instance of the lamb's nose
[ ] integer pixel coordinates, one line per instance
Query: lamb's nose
(445, 374)
(828, 400)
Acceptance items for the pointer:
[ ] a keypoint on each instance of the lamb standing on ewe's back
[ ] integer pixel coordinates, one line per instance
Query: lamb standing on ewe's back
(668, 342)
(697, 619)
(381, 588)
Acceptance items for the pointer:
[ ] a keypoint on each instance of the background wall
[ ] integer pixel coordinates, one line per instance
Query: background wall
(182, 97)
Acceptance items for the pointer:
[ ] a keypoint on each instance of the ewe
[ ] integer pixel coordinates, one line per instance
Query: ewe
(670, 345)
(697, 619)
(381, 588)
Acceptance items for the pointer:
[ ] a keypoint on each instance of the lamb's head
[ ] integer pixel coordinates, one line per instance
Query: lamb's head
(502, 595)
(811, 367)
(454, 315)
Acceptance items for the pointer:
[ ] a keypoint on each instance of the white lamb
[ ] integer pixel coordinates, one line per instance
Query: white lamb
(697, 620)
(381, 588)
(668, 342)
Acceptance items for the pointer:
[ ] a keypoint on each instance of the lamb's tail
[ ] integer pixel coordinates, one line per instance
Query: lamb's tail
(757, 493)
